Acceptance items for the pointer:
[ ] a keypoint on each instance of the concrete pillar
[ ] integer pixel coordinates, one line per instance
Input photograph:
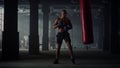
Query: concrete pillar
(52, 34)
(106, 34)
(114, 37)
(10, 41)
(52, 39)
(111, 38)
(33, 37)
(45, 10)
(100, 36)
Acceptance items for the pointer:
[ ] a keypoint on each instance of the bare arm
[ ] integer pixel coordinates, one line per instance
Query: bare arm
(55, 24)
(70, 25)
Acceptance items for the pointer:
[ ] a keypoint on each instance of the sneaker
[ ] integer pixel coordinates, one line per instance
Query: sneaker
(56, 61)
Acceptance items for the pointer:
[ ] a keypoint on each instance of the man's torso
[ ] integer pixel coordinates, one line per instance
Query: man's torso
(65, 21)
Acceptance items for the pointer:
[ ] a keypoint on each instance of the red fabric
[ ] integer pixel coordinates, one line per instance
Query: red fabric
(86, 18)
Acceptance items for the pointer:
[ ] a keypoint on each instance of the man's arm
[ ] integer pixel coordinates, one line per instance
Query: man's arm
(70, 25)
(55, 24)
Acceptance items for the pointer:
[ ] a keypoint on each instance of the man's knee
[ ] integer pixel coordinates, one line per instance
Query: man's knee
(69, 44)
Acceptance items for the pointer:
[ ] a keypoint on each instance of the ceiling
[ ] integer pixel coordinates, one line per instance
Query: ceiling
(59, 2)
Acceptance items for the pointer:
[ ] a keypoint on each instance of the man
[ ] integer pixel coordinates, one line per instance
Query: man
(63, 24)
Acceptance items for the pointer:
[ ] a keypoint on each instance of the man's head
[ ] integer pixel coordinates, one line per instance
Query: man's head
(63, 13)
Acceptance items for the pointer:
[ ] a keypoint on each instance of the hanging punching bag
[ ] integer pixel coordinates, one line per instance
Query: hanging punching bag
(86, 19)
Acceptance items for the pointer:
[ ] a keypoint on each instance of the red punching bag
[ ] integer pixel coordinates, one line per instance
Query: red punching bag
(86, 18)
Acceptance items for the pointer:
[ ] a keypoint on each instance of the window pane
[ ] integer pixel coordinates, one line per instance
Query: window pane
(23, 26)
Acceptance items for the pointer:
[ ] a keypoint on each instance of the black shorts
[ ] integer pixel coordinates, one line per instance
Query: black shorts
(63, 36)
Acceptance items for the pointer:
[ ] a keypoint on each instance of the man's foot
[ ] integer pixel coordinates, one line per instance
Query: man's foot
(56, 61)
(73, 60)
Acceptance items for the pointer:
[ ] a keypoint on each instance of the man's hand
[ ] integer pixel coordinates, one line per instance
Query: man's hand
(65, 28)
(60, 24)
(69, 27)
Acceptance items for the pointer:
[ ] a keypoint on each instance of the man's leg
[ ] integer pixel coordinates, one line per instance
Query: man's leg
(59, 42)
(70, 49)
(57, 54)
(58, 51)
(68, 42)
(71, 52)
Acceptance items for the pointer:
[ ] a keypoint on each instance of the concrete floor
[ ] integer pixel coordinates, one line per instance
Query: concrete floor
(84, 59)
